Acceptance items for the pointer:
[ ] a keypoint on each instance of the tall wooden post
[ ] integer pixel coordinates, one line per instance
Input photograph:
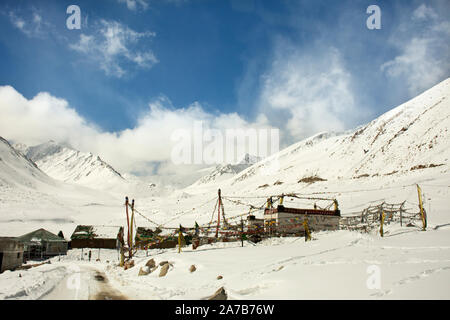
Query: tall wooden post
(242, 232)
(128, 221)
(422, 214)
(130, 244)
(307, 232)
(122, 257)
(381, 223)
(401, 214)
(180, 238)
(218, 213)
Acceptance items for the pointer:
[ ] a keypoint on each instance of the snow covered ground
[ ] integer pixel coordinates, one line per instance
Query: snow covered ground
(413, 264)
(337, 265)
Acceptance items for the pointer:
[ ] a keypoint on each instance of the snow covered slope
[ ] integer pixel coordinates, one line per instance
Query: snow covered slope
(66, 164)
(412, 137)
(30, 199)
(18, 170)
(69, 165)
(226, 171)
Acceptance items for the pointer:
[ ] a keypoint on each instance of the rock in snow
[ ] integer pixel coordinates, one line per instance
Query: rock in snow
(164, 270)
(150, 263)
(220, 294)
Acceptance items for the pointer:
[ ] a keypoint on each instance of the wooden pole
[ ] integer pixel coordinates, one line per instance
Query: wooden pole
(180, 236)
(307, 232)
(218, 213)
(242, 234)
(122, 257)
(401, 214)
(128, 221)
(381, 223)
(422, 214)
(130, 244)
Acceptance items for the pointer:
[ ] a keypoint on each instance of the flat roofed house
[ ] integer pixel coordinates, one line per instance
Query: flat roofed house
(290, 220)
(105, 237)
(11, 253)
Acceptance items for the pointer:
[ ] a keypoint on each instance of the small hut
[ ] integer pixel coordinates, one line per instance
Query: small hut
(11, 253)
(105, 237)
(41, 244)
(290, 220)
(151, 239)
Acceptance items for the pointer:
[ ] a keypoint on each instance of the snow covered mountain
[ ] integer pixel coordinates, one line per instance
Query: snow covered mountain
(66, 164)
(225, 171)
(17, 170)
(29, 198)
(409, 138)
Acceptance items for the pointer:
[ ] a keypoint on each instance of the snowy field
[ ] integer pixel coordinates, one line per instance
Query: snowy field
(336, 265)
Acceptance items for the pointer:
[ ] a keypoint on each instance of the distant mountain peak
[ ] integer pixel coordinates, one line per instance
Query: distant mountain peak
(64, 163)
(225, 171)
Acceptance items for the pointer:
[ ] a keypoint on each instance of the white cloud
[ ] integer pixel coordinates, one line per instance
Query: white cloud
(308, 91)
(134, 4)
(423, 60)
(114, 46)
(424, 12)
(20, 24)
(33, 26)
(44, 117)
(40, 119)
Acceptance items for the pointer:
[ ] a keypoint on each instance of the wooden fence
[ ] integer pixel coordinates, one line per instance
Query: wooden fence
(370, 217)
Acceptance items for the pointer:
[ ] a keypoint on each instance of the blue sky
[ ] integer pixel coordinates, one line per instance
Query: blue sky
(303, 62)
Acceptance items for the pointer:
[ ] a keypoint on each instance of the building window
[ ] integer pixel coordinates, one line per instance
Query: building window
(18, 255)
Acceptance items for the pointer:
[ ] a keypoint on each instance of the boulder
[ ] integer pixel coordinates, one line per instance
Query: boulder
(220, 294)
(192, 268)
(164, 270)
(163, 263)
(150, 263)
(128, 264)
(143, 271)
(219, 277)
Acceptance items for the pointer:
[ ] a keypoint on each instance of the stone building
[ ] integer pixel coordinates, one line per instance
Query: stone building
(11, 253)
(285, 220)
(107, 237)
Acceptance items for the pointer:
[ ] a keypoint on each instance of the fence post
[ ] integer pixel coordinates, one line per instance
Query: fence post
(422, 214)
(242, 232)
(307, 232)
(401, 214)
(381, 224)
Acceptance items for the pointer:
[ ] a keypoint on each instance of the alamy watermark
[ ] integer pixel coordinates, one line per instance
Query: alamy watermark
(74, 280)
(374, 20)
(74, 20)
(200, 145)
(373, 282)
